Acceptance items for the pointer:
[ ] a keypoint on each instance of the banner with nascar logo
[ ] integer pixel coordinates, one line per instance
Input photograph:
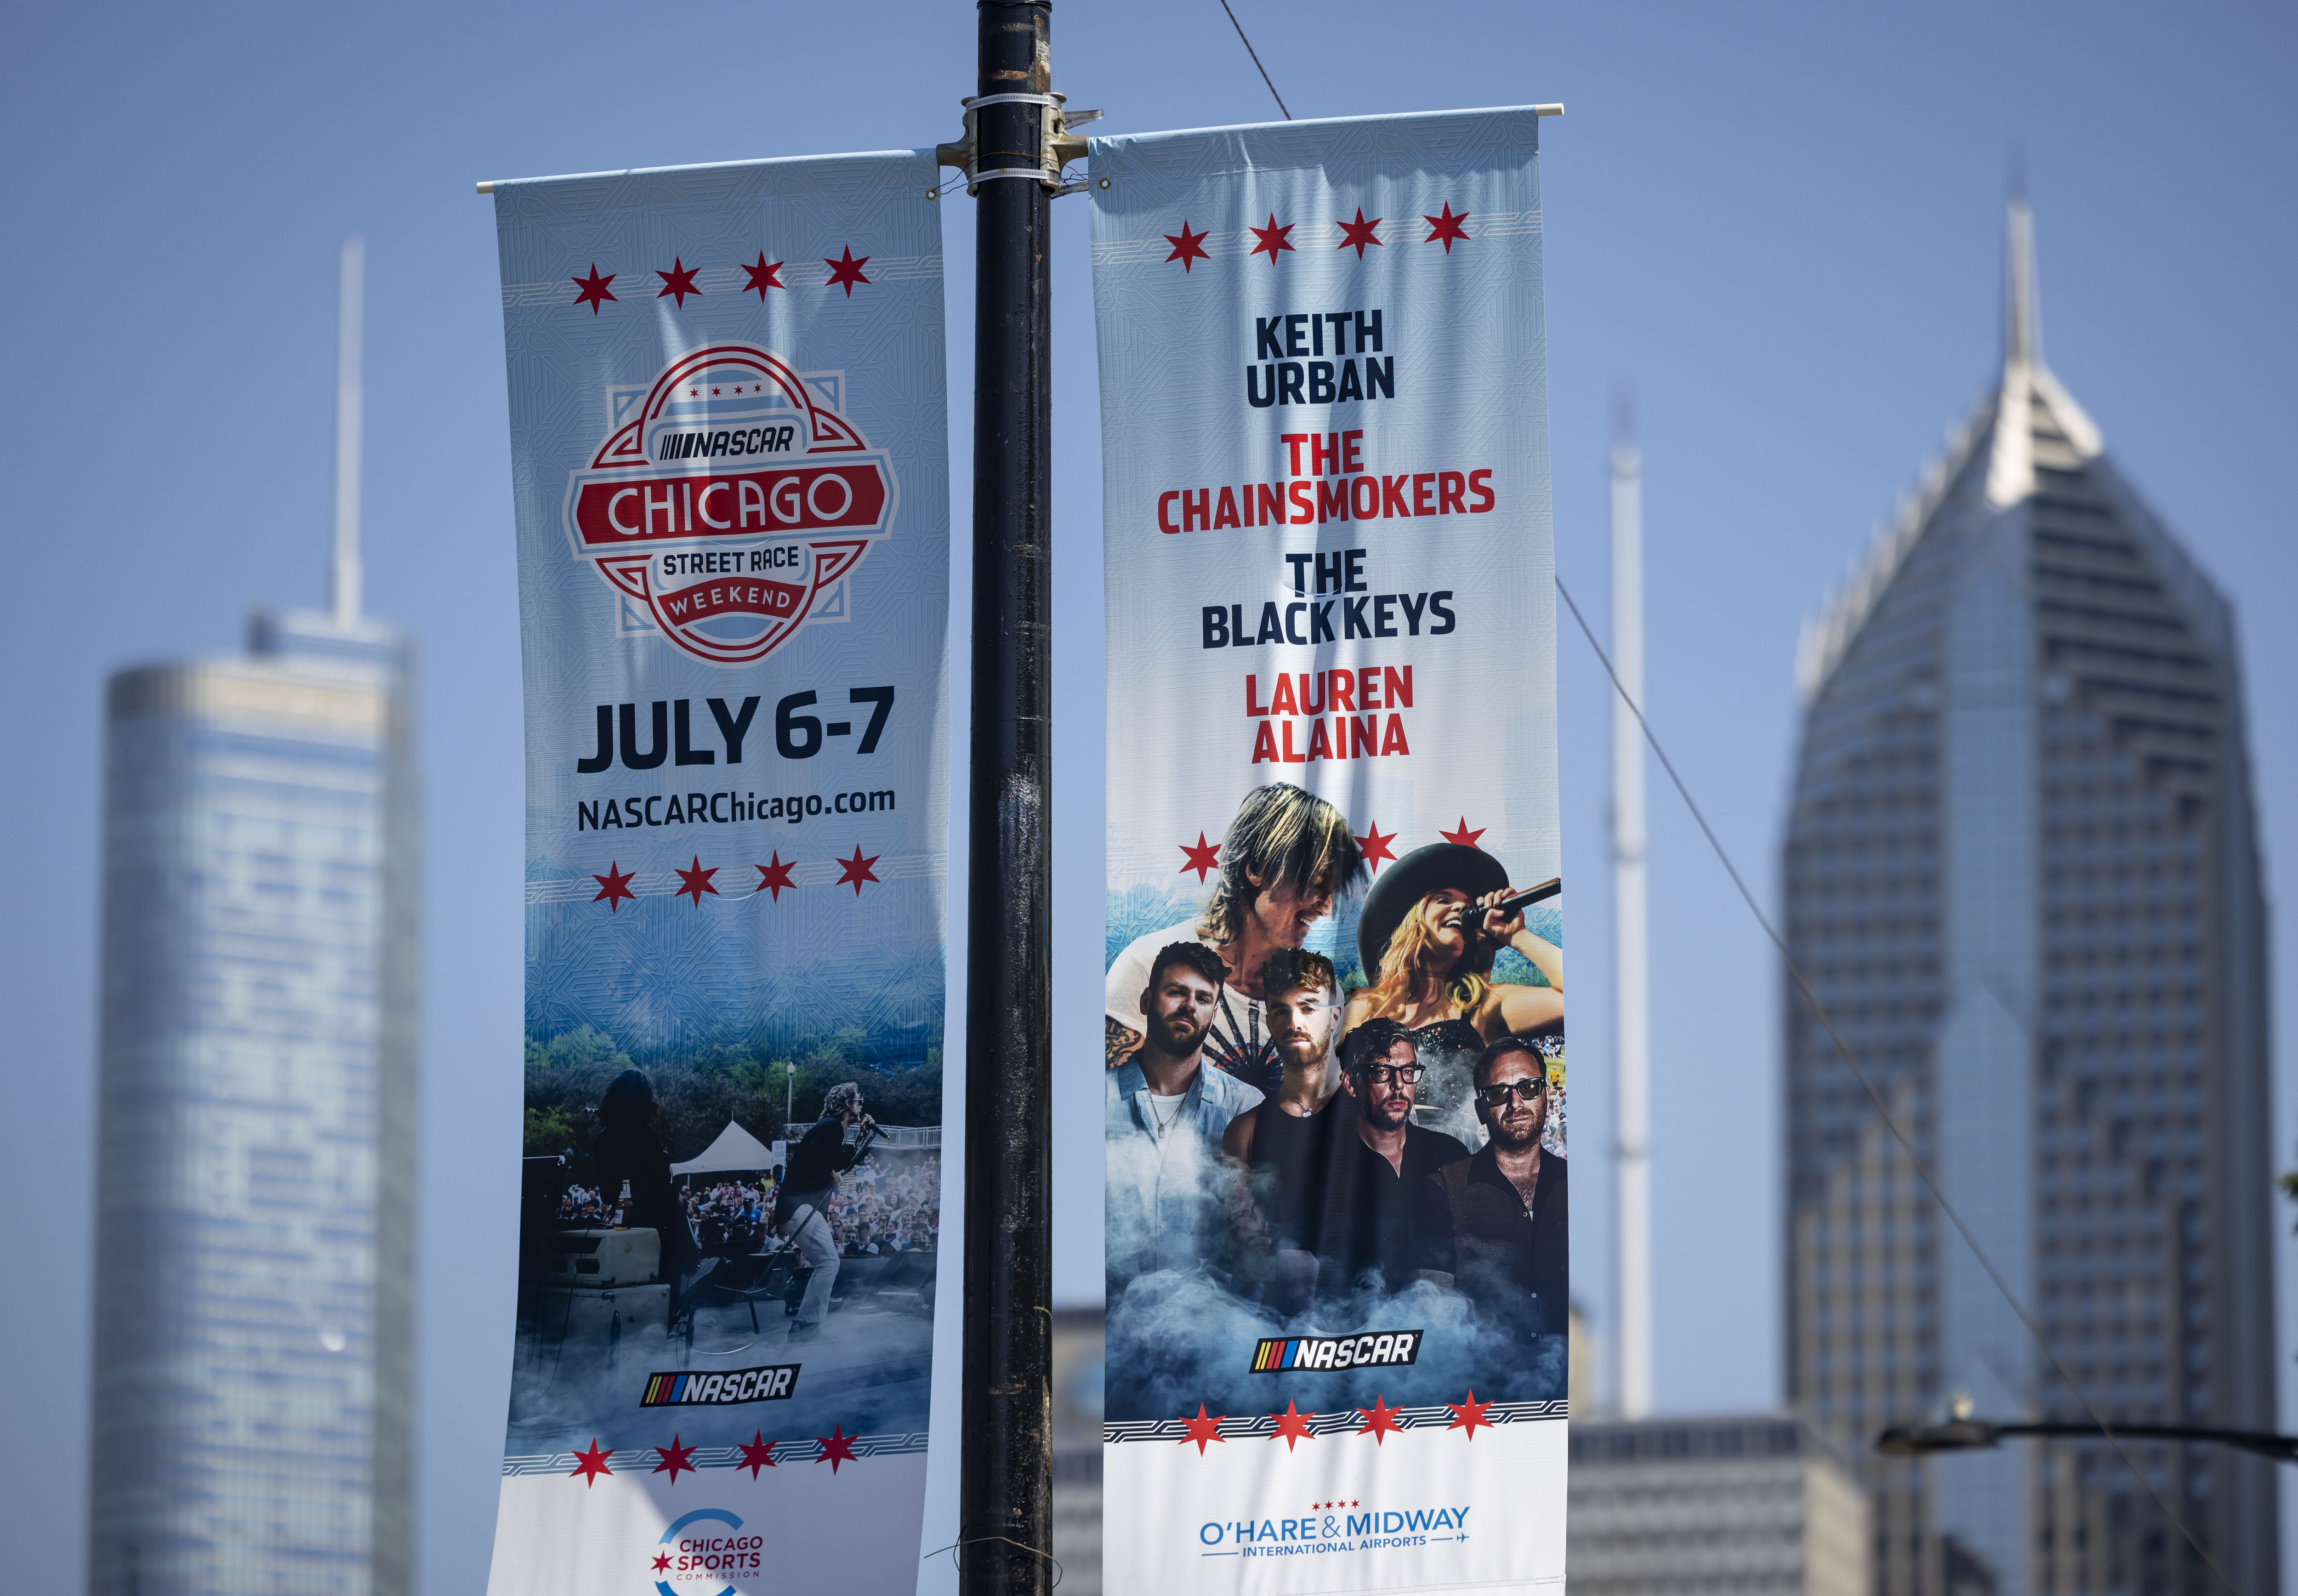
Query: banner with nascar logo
(1338, 1219)
(728, 455)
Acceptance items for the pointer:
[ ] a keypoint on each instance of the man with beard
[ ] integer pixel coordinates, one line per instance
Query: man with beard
(1286, 1145)
(1166, 1113)
(1371, 1202)
(1496, 1226)
(1287, 855)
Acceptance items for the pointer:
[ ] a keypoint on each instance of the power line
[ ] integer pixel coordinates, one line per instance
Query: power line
(1249, 50)
(1922, 1170)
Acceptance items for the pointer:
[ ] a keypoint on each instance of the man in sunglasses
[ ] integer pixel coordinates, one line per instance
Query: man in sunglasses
(1496, 1226)
(1381, 1159)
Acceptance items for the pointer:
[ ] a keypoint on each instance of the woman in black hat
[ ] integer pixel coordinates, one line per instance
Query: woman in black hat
(1429, 934)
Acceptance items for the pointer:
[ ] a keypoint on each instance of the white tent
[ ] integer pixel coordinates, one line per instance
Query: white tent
(736, 1149)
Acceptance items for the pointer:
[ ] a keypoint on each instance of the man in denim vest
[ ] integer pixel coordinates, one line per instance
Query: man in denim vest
(1168, 1183)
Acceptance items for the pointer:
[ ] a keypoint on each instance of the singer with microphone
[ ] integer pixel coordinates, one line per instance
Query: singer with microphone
(802, 1202)
(1430, 929)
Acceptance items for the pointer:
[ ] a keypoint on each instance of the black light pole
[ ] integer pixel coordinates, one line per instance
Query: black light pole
(1005, 1473)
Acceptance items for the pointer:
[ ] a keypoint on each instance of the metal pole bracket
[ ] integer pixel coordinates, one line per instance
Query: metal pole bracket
(1057, 148)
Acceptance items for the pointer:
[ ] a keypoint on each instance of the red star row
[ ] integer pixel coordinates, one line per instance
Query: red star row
(1204, 857)
(757, 1453)
(1293, 1424)
(1446, 228)
(694, 881)
(678, 282)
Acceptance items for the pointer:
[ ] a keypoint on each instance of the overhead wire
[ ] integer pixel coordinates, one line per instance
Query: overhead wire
(1890, 1122)
(1249, 50)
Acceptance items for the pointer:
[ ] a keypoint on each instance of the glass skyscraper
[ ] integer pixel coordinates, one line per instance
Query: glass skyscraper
(2021, 869)
(255, 1178)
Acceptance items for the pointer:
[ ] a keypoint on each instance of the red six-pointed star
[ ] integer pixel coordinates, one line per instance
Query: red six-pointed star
(1201, 857)
(1379, 1419)
(837, 1447)
(614, 886)
(763, 277)
(1446, 227)
(1292, 1424)
(661, 1562)
(1187, 246)
(593, 287)
(758, 1452)
(1462, 835)
(1466, 1416)
(773, 877)
(590, 1465)
(697, 880)
(1358, 232)
(1202, 1429)
(848, 271)
(1272, 238)
(1375, 843)
(857, 871)
(674, 1458)
(679, 280)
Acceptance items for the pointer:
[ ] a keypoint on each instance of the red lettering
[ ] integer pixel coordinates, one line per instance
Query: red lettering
(1270, 502)
(1424, 484)
(1317, 680)
(1392, 498)
(1290, 756)
(1400, 688)
(1293, 441)
(1165, 510)
(1264, 744)
(1196, 511)
(1364, 497)
(1225, 510)
(1392, 740)
(1333, 500)
(1364, 734)
(1368, 688)
(1344, 689)
(1252, 704)
(1281, 702)
(1352, 450)
(1304, 501)
(1450, 486)
(1320, 747)
(1476, 485)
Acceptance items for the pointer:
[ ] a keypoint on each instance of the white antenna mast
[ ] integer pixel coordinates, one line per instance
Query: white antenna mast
(1632, 1022)
(344, 596)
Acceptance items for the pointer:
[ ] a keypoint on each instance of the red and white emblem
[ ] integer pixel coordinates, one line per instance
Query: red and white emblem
(731, 503)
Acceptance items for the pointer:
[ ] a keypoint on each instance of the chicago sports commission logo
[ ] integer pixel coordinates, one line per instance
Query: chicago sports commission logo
(704, 1549)
(730, 503)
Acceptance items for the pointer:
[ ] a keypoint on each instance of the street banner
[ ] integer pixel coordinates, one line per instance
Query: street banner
(1337, 1213)
(729, 458)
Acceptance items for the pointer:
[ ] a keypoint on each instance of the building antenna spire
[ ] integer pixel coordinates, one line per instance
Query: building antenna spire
(346, 577)
(2022, 325)
(1633, 1034)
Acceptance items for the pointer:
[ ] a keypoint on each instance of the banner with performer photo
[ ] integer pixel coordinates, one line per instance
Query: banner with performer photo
(728, 454)
(1338, 1219)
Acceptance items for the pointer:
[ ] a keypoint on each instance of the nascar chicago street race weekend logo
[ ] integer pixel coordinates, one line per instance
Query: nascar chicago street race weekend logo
(730, 503)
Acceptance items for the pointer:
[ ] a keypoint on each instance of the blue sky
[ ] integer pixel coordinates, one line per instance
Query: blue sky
(1779, 223)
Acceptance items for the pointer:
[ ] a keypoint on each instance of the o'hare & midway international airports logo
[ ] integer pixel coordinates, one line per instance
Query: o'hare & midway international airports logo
(699, 1557)
(729, 503)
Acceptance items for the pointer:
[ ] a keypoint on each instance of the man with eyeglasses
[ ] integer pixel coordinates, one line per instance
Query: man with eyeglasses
(1496, 1226)
(1371, 1205)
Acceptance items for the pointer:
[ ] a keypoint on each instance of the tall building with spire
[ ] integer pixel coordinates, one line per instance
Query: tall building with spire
(2021, 873)
(255, 1183)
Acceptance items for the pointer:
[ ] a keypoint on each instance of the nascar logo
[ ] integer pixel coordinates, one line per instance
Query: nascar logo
(772, 1382)
(1371, 1350)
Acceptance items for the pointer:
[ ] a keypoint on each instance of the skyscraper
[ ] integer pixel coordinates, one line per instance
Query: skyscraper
(255, 1172)
(2021, 872)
